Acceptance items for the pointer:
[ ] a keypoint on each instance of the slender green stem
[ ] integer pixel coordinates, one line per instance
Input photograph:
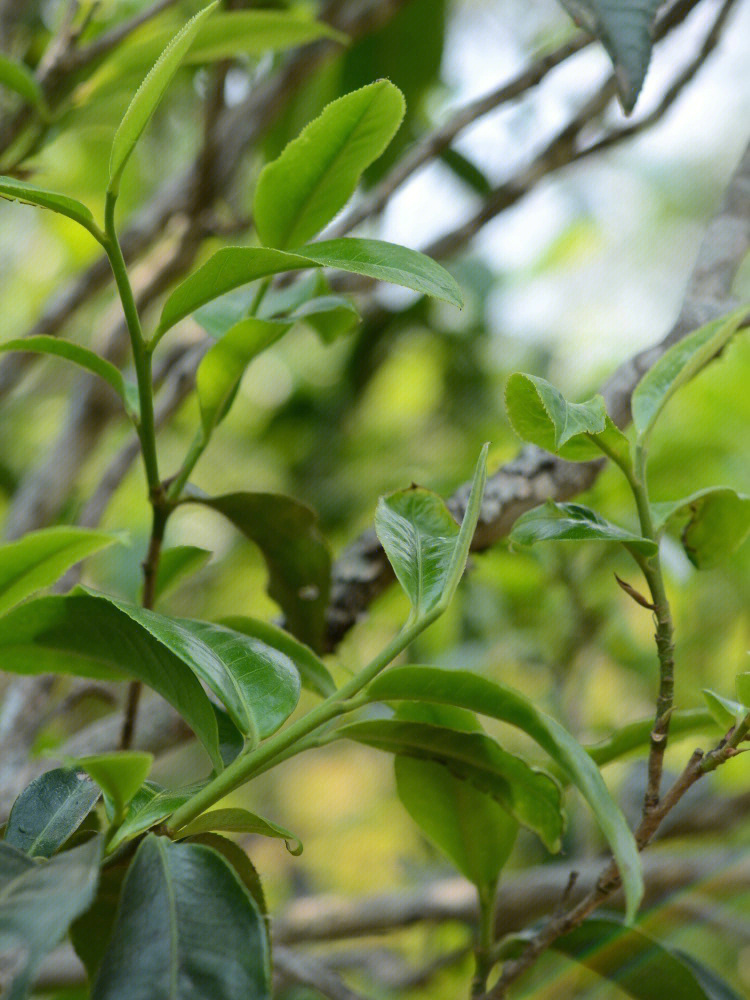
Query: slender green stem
(483, 950)
(195, 451)
(274, 749)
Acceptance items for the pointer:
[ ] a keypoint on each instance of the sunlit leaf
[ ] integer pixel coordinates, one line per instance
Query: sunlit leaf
(253, 32)
(15, 190)
(572, 522)
(18, 77)
(726, 712)
(49, 810)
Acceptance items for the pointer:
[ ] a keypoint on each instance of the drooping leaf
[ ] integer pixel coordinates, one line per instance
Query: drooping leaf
(175, 564)
(716, 523)
(573, 522)
(38, 902)
(240, 821)
(41, 557)
(51, 809)
(625, 29)
(678, 366)
(641, 967)
(18, 77)
(186, 927)
(424, 544)
(223, 365)
(150, 805)
(726, 712)
(254, 32)
(149, 95)
(88, 635)
(530, 795)
(119, 774)
(637, 735)
(84, 358)
(577, 432)
(297, 557)
(15, 190)
(318, 172)
(478, 694)
(313, 672)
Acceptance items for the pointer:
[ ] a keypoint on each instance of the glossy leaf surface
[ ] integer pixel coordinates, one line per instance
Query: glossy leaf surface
(529, 795)
(678, 365)
(297, 557)
(318, 172)
(478, 694)
(41, 557)
(49, 810)
(119, 775)
(186, 927)
(572, 522)
(240, 821)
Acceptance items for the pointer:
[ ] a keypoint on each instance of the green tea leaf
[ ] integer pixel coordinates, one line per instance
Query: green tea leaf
(119, 774)
(18, 77)
(726, 712)
(240, 821)
(637, 735)
(38, 902)
(51, 809)
(386, 262)
(530, 795)
(297, 557)
(91, 932)
(175, 564)
(678, 366)
(423, 543)
(240, 862)
(742, 682)
(150, 805)
(88, 635)
(41, 557)
(330, 316)
(149, 95)
(222, 367)
(318, 172)
(625, 28)
(577, 432)
(255, 32)
(313, 672)
(186, 927)
(84, 358)
(478, 694)
(15, 190)
(573, 522)
(717, 522)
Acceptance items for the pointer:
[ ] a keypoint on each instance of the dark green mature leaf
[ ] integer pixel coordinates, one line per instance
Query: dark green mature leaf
(240, 821)
(297, 557)
(478, 694)
(625, 29)
(40, 558)
(177, 563)
(88, 635)
(223, 365)
(577, 432)
(47, 812)
(255, 32)
(241, 863)
(15, 190)
(530, 795)
(424, 544)
(38, 902)
(313, 672)
(84, 358)
(717, 523)
(149, 95)
(678, 366)
(150, 805)
(18, 77)
(573, 522)
(640, 966)
(386, 262)
(91, 932)
(119, 775)
(318, 172)
(186, 927)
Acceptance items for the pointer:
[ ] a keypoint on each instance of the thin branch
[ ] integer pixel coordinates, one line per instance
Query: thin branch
(108, 40)
(291, 967)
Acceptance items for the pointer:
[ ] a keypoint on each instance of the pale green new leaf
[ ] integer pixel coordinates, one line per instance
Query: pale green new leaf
(150, 805)
(240, 821)
(149, 95)
(15, 190)
(18, 77)
(84, 358)
(254, 32)
(317, 173)
(331, 316)
(678, 366)
(175, 564)
(423, 543)
(573, 522)
(716, 523)
(478, 694)
(49, 810)
(41, 557)
(119, 774)
(726, 712)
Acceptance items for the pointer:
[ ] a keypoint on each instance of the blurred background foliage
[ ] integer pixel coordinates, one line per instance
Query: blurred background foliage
(581, 273)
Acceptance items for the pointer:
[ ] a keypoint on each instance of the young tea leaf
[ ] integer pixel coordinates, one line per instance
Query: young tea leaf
(119, 774)
(18, 77)
(15, 190)
(240, 821)
(726, 712)
(51, 809)
(573, 522)
(715, 523)
(186, 927)
(678, 366)
(175, 564)
(318, 172)
(149, 95)
(255, 32)
(150, 805)
(330, 316)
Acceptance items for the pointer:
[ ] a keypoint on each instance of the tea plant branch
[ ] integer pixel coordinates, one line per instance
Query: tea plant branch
(291, 967)
(110, 39)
